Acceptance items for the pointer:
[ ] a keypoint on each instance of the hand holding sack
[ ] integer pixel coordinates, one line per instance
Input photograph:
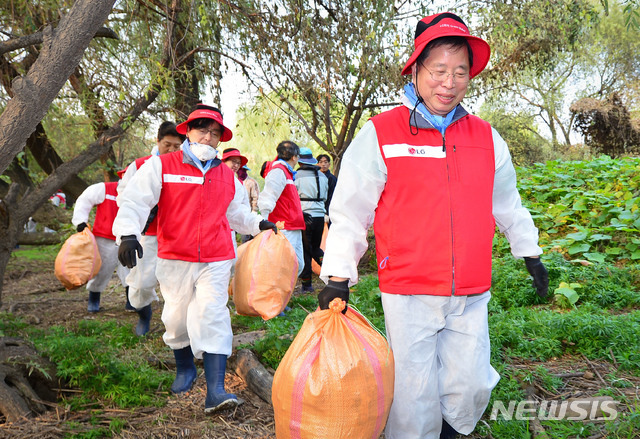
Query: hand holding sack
(78, 261)
(265, 276)
(336, 379)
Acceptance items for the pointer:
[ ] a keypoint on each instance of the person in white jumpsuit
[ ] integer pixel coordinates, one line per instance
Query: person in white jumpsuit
(101, 196)
(194, 248)
(276, 183)
(438, 331)
(142, 278)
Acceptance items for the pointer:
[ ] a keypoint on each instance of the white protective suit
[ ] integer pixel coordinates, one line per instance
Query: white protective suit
(90, 197)
(142, 278)
(440, 343)
(195, 294)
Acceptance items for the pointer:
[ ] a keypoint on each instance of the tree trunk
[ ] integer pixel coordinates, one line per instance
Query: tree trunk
(25, 380)
(48, 159)
(14, 212)
(62, 49)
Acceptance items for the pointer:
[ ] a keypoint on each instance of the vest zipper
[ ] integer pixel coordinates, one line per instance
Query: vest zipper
(453, 269)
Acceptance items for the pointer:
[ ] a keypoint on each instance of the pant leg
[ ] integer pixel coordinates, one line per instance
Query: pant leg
(142, 278)
(316, 238)
(208, 317)
(109, 254)
(466, 376)
(295, 239)
(305, 274)
(442, 363)
(413, 323)
(177, 281)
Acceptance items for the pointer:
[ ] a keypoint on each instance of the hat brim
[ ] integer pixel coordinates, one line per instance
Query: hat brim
(479, 47)
(182, 128)
(243, 159)
(310, 161)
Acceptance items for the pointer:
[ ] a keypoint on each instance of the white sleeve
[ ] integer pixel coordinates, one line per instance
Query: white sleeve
(363, 176)
(138, 198)
(239, 214)
(126, 177)
(91, 196)
(274, 184)
(513, 220)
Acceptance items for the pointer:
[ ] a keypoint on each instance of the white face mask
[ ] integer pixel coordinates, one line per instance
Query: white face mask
(203, 152)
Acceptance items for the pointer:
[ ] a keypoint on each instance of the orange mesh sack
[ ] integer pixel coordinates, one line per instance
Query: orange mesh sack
(266, 273)
(78, 260)
(336, 379)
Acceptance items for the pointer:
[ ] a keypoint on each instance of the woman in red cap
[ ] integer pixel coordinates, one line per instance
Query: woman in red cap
(433, 180)
(199, 201)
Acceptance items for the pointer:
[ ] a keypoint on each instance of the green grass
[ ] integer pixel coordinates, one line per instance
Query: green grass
(588, 216)
(104, 359)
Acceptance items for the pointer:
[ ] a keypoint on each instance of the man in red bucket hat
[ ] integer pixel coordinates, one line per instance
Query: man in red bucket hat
(434, 181)
(199, 201)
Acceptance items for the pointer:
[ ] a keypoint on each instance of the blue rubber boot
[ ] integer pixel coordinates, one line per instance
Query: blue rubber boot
(217, 399)
(186, 372)
(94, 301)
(144, 320)
(128, 306)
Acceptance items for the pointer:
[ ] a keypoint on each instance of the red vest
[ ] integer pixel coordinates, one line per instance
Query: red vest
(434, 224)
(288, 207)
(152, 230)
(106, 212)
(192, 211)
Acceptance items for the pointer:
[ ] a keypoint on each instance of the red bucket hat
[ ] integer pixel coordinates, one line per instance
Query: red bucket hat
(202, 113)
(447, 24)
(229, 153)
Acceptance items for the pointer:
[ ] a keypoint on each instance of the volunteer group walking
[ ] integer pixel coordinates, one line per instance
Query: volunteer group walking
(431, 179)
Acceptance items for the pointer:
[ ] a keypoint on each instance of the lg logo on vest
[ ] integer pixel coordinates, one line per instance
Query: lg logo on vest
(414, 151)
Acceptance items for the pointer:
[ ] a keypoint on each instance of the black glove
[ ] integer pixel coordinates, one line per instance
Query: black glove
(331, 291)
(80, 227)
(266, 225)
(129, 245)
(537, 270)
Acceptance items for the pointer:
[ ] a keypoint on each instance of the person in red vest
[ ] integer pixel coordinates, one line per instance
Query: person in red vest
(103, 197)
(199, 201)
(142, 278)
(434, 181)
(279, 200)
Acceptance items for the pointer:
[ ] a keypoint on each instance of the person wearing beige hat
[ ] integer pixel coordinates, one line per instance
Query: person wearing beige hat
(434, 181)
(199, 201)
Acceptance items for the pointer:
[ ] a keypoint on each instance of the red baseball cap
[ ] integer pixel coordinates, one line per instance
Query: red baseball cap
(205, 113)
(447, 24)
(232, 152)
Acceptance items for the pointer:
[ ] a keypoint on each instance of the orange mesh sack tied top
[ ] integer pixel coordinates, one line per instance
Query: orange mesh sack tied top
(78, 260)
(266, 273)
(336, 379)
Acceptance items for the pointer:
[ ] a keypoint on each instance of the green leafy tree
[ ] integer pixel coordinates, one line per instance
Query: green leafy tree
(544, 62)
(330, 64)
(526, 145)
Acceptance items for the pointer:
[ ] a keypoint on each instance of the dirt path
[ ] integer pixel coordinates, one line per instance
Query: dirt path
(33, 292)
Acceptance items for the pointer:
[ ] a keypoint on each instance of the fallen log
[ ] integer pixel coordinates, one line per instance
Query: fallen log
(39, 238)
(248, 367)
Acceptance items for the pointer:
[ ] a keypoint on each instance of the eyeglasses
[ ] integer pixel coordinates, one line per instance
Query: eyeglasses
(443, 75)
(214, 132)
